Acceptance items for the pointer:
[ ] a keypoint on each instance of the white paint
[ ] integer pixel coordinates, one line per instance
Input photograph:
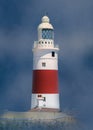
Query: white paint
(45, 19)
(45, 56)
(50, 64)
(47, 44)
(51, 101)
(45, 23)
(42, 44)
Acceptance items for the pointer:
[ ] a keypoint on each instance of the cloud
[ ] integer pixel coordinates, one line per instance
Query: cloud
(15, 69)
(16, 43)
(76, 78)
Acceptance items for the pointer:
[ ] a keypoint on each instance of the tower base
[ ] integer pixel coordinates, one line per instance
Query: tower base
(39, 115)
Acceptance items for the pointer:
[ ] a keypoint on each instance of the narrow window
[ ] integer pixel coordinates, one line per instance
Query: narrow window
(53, 54)
(44, 99)
(43, 64)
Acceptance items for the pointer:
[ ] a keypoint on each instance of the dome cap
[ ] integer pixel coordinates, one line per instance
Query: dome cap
(45, 19)
(45, 23)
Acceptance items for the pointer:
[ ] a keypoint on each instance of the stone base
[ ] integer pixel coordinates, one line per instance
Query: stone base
(39, 115)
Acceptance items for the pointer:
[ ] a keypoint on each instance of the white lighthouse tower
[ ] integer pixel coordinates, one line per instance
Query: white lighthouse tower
(45, 92)
(45, 105)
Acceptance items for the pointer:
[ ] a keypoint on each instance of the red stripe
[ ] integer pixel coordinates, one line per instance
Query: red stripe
(45, 81)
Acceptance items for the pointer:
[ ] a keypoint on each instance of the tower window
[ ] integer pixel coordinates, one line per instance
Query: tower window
(43, 64)
(44, 98)
(53, 54)
(47, 34)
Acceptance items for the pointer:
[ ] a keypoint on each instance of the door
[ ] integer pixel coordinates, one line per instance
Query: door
(40, 103)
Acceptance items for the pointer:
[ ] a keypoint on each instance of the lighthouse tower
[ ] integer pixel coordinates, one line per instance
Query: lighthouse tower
(45, 92)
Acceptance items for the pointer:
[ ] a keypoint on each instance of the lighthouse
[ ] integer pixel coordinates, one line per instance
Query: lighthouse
(45, 106)
(45, 91)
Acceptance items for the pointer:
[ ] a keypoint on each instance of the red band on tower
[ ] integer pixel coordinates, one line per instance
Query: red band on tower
(45, 81)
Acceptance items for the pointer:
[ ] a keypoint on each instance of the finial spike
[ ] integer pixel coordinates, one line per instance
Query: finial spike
(46, 13)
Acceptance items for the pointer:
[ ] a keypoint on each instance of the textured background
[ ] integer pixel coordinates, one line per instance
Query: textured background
(73, 23)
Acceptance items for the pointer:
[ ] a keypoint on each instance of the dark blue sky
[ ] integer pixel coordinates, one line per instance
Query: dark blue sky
(73, 23)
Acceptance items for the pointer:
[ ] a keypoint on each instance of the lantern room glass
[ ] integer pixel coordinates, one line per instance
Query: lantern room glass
(47, 34)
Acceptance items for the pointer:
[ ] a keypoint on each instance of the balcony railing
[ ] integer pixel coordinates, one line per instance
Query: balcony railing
(45, 46)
